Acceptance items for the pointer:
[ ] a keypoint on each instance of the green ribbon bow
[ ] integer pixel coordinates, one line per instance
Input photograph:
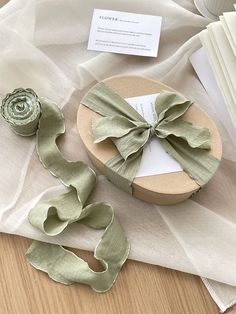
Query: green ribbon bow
(130, 132)
(52, 216)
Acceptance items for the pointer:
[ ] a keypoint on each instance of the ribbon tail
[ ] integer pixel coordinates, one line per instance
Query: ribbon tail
(65, 267)
(53, 215)
(197, 162)
(122, 172)
(74, 174)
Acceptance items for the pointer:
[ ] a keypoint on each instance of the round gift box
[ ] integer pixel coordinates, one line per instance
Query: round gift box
(164, 189)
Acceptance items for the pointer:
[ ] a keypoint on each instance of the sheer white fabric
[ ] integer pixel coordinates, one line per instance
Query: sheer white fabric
(43, 46)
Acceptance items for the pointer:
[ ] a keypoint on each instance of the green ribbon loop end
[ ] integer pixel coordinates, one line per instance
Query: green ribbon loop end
(130, 132)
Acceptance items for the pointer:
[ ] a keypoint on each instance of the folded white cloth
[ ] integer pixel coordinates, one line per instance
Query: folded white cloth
(228, 21)
(43, 46)
(219, 41)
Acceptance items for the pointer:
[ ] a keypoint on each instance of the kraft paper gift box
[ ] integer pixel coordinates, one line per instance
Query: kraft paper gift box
(164, 189)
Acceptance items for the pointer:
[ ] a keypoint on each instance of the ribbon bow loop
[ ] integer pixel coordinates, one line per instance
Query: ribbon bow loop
(170, 108)
(128, 136)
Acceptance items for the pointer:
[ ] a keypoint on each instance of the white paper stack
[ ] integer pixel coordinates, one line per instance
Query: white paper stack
(219, 41)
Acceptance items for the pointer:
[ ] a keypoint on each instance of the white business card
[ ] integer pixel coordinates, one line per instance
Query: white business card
(126, 33)
(155, 160)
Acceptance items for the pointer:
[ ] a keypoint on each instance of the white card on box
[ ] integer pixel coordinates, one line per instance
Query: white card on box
(155, 160)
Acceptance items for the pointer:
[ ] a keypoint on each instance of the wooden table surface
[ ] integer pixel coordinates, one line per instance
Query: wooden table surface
(140, 288)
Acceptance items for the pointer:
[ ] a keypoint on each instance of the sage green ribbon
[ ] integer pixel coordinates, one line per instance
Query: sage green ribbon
(53, 215)
(21, 109)
(130, 132)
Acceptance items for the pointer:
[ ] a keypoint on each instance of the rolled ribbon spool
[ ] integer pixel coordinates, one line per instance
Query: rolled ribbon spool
(22, 109)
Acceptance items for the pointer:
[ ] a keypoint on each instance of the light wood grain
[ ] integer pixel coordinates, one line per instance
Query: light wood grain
(140, 288)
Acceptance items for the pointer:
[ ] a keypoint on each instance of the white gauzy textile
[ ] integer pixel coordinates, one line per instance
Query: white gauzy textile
(43, 46)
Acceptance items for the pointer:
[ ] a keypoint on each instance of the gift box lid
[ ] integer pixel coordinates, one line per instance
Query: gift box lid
(168, 188)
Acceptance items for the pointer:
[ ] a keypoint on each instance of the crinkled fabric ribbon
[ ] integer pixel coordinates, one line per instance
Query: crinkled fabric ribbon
(53, 215)
(21, 109)
(130, 132)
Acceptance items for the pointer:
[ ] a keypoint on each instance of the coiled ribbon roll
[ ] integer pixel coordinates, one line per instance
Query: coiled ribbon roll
(52, 216)
(21, 109)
